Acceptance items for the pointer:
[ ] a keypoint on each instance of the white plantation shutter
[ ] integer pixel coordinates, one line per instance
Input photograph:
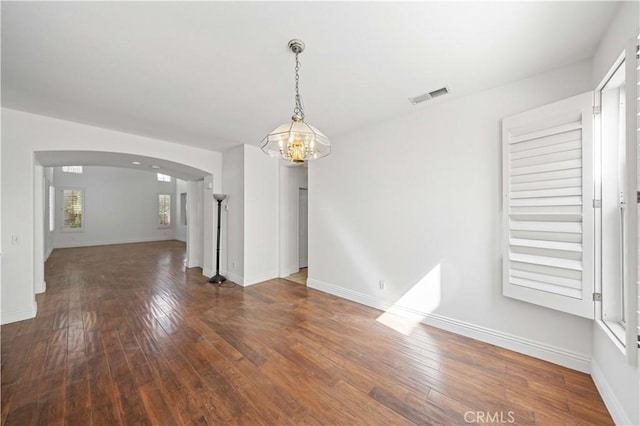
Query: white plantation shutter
(547, 210)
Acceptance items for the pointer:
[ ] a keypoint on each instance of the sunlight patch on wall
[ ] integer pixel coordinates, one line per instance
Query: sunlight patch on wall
(414, 306)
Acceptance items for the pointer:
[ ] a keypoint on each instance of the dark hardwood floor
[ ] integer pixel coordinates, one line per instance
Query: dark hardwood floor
(126, 335)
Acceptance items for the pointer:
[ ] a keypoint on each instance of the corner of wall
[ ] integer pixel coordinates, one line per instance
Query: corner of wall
(608, 395)
(238, 279)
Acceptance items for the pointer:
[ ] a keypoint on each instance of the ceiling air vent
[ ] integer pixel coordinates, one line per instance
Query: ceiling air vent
(430, 95)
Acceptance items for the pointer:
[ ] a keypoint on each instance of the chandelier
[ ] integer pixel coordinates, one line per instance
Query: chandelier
(296, 141)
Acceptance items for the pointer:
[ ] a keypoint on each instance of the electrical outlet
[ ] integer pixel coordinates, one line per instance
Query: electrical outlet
(15, 239)
(382, 284)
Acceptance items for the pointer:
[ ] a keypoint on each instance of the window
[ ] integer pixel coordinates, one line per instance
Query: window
(73, 209)
(614, 201)
(164, 210)
(52, 208)
(72, 169)
(163, 178)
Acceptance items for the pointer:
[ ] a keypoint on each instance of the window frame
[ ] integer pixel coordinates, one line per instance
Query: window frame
(161, 177)
(78, 170)
(626, 340)
(63, 227)
(158, 213)
(616, 329)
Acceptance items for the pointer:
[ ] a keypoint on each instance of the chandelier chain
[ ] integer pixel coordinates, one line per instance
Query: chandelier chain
(298, 109)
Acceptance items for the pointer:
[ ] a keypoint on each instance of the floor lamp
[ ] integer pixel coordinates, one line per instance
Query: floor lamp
(217, 278)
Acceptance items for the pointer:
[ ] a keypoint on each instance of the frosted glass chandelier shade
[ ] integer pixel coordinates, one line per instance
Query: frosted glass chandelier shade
(297, 142)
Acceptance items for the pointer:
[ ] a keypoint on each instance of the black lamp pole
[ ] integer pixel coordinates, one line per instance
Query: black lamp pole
(217, 278)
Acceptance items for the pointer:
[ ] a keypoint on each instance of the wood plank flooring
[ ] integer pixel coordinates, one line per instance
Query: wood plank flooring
(126, 335)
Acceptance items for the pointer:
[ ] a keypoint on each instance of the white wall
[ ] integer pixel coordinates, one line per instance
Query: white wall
(251, 183)
(233, 184)
(623, 27)
(417, 200)
(48, 235)
(195, 234)
(1, 242)
(120, 206)
(617, 380)
(23, 134)
(291, 180)
(260, 215)
(209, 223)
(181, 228)
(38, 238)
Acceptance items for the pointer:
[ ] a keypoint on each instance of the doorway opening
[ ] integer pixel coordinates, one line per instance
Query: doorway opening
(119, 198)
(301, 276)
(294, 236)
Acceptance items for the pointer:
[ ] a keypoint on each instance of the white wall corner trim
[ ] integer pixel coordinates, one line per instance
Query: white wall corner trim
(9, 317)
(608, 396)
(208, 272)
(519, 344)
(41, 287)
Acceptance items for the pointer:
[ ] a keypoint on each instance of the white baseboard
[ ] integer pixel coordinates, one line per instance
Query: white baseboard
(9, 317)
(519, 344)
(111, 242)
(208, 272)
(608, 396)
(41, 287)
(238, 279)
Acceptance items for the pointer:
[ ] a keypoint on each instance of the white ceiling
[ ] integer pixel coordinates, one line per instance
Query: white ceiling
(213, 75)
